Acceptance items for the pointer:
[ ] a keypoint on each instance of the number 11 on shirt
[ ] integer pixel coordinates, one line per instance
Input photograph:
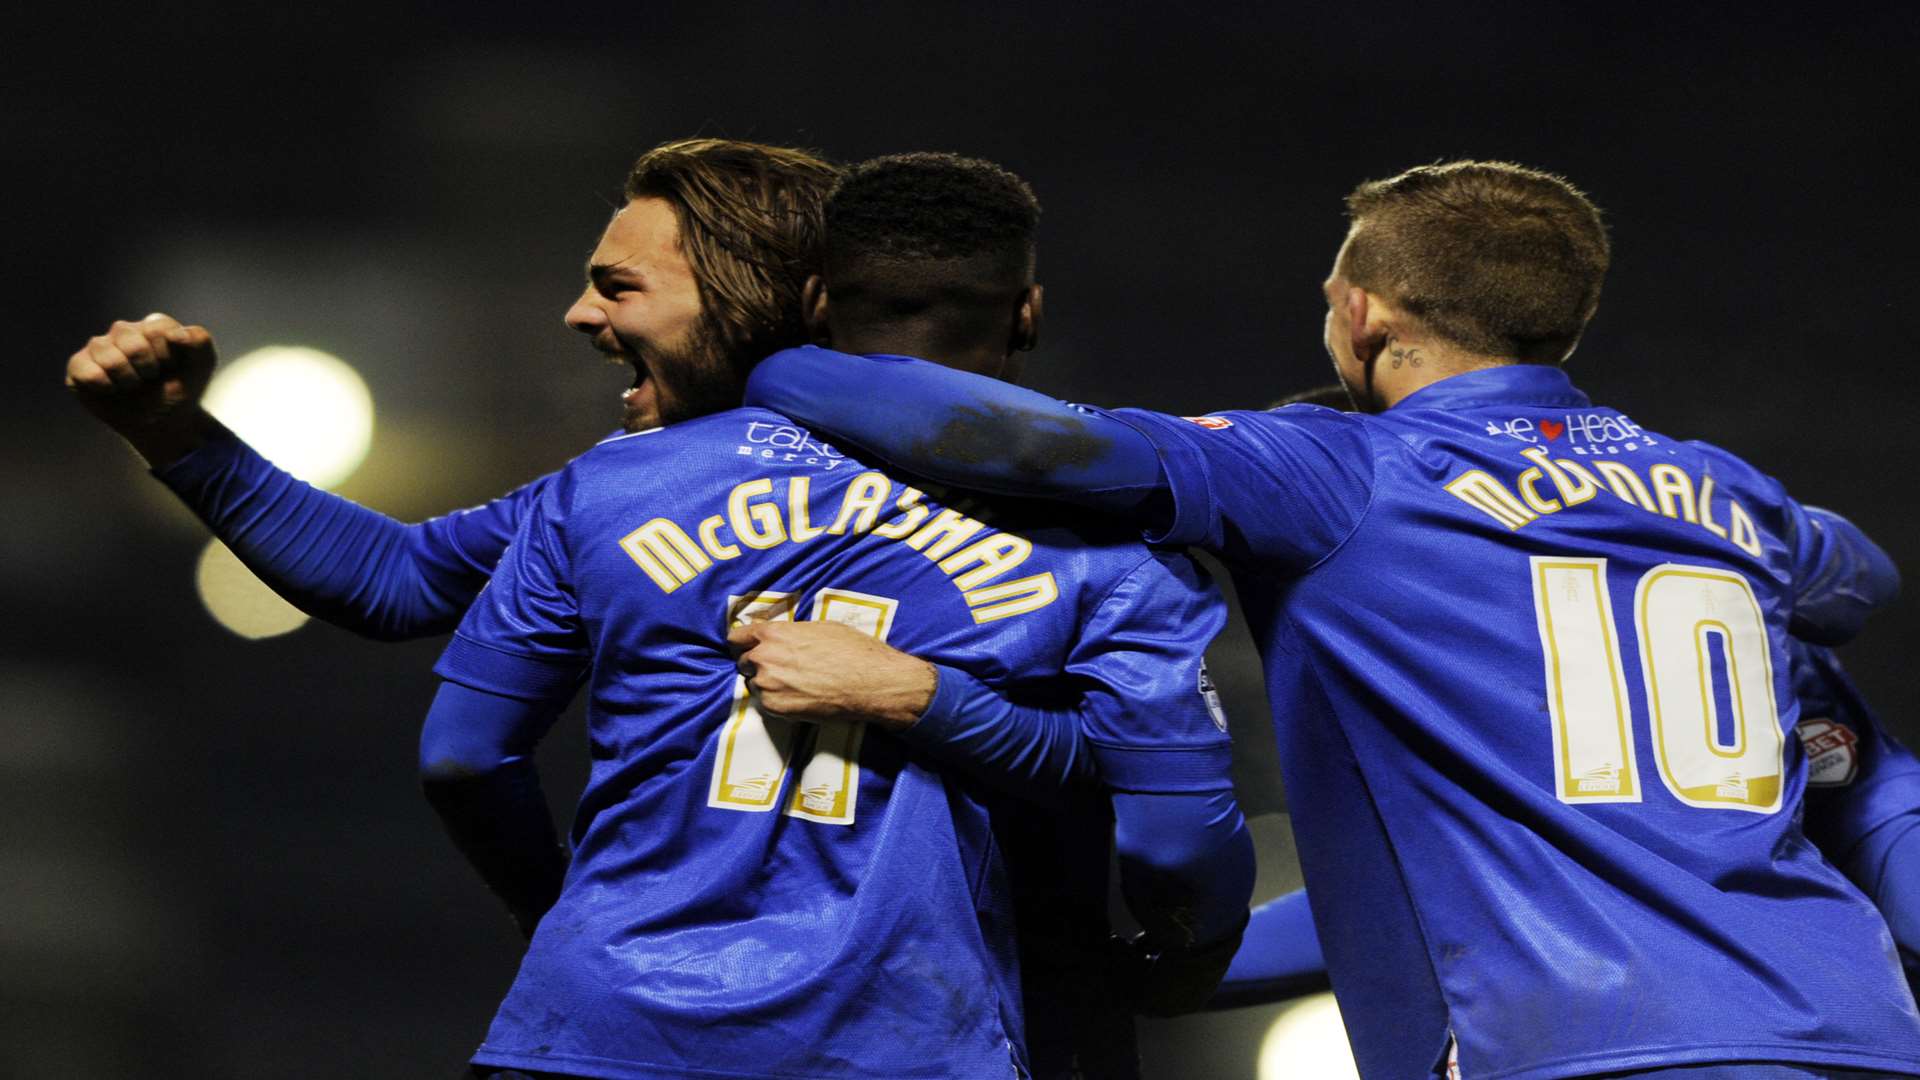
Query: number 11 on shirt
(1709, 685)
(750, 767)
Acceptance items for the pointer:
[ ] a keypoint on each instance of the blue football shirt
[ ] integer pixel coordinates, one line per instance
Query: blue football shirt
(1859, 777)
(753, 898)
(1529, 670)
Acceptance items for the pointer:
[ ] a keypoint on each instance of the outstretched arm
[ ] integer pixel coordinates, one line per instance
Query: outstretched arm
(337, 560)
(333, 559)
(962, 429)
(1283, 487)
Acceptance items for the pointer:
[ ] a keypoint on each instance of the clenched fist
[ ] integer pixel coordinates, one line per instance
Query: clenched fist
(822, 671)
(145, 380)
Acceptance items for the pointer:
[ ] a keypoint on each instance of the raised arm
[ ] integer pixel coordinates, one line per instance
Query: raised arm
(328, 556)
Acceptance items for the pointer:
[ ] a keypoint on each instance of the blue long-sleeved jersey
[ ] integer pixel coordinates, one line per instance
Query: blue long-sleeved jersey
(754, 898)
(1528, 669)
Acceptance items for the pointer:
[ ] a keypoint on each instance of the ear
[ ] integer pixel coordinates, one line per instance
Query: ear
(1366, 327)
(1026, 321)
(813, 309)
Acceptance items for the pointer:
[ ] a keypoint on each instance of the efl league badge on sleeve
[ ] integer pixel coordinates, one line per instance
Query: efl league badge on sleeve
(1210, 694)
(1833, 756)
(1211, 423)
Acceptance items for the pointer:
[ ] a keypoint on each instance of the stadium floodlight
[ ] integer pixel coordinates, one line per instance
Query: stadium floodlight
(240, 601)
(1308, 1039)
(305, 410)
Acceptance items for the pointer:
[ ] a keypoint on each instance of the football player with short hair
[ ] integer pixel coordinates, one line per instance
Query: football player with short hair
(749, 896)
(749, 221)
(1528, 660)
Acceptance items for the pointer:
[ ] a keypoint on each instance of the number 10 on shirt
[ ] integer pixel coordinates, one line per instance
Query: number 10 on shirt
(750, 766)
(1709, 686)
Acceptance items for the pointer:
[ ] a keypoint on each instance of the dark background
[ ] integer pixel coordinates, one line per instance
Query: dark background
(213, 858)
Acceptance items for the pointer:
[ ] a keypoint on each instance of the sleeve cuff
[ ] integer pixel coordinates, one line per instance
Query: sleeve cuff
(1165, 770)
(482, 667)
(937, 721)
(1185, 477)
(224, 452)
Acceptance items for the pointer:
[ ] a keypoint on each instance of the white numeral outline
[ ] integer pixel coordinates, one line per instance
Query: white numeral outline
(751, 761)
(1678, 609)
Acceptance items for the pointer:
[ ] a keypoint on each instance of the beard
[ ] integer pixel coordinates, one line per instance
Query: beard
(693, 377)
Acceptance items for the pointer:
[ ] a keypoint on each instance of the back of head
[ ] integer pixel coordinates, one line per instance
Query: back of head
(751, 225)
(1497, 259)
(932, 248)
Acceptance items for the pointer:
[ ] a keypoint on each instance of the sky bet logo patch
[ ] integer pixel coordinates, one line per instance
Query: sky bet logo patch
(1833, 755)
(1211, 423)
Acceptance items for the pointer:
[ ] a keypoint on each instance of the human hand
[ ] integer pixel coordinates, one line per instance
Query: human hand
(145, 380)
(821, 671)
(1169, 980)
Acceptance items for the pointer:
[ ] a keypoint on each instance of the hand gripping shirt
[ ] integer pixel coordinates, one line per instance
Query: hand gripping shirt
(752, 898)
(1530, 675)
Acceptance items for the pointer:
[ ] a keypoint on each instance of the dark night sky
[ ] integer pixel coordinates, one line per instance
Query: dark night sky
(216, 862)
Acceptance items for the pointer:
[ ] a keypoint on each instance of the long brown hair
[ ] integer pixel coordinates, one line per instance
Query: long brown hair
(751, 226)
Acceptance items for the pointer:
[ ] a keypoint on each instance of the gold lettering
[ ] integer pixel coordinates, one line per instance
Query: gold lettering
(1626, 484)
(1674, 489)
(757, 525)
(666, 553)
(710, 539)
(1527, 481)
(948, 530)
(800, 525)
(861, 504)
(1706, 509)
(910, 502)
(1012, 597)
(1574, 483)
(1490, 497)
(1745, 536)
(996, 555)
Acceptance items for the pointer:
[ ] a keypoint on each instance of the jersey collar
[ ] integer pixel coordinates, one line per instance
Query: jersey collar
(1508, 384)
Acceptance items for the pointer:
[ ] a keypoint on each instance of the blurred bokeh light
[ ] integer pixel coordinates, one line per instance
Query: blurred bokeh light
(305, 410)
(1308, 1040)
(241, 602)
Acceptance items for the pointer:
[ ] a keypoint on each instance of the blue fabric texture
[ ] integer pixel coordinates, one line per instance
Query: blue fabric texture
(337, 560)
(1489, 857)
(758, 898)
(1279, 957)
(477, 771)
(1186, 864)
